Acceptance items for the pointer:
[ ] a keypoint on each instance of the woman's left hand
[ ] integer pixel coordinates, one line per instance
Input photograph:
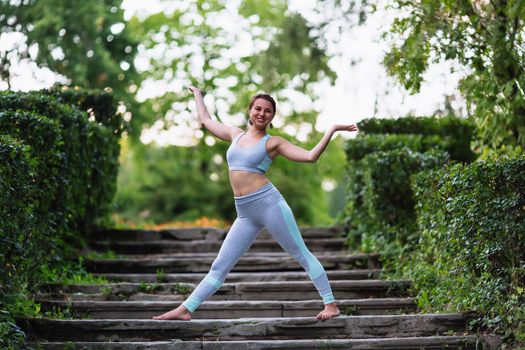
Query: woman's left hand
(345, 127)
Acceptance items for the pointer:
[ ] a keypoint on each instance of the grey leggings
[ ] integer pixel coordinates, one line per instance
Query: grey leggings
(264, 208)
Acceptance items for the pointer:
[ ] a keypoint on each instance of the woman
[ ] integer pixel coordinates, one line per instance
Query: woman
(258, 203)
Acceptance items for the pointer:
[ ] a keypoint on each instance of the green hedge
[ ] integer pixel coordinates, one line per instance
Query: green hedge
(18, 175)
(57, 177)
(418, 134)
(450, 133)
(18, 227)
(471, 255)
(100, 104)
(44, 137)
(86, 191)
(102, 107)
(386, 221)
(445, 126)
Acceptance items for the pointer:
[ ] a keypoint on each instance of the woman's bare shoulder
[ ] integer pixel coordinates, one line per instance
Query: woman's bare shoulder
(274, 142)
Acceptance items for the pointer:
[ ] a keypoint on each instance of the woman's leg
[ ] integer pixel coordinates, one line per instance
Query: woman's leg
(238, 240)
(280, 222)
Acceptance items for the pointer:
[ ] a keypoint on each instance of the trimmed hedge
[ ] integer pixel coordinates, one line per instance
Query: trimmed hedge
(472, 219)
(44, 137)
(86, 191)
(387, 217)
(57, 177)
(101, 105)
(18, 175)
(18, 227)
(451, 133)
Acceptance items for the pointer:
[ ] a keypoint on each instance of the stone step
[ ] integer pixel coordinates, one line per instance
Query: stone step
(201, 262)
(198, 233)
(156, 247)
(285, 290)
(347, 327)
(333, 275)
(234, 308)
(460, 342)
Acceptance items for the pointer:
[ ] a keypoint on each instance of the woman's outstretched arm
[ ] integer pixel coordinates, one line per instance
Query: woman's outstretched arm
(298, 154)
(224, 132)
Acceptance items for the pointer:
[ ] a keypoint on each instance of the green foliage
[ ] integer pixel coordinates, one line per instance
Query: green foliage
(11, 336)
(87, 175)
(450, 133)
(283, 54)
(23, 251)
(104, 57)
(149, 288)
(70, 272)
(41, 158)
(472, 221)
(413, 134)
(486, 38)
(17, 210)
(385, 216)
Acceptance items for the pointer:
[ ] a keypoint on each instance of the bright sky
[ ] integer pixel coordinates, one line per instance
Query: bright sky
(361, 91)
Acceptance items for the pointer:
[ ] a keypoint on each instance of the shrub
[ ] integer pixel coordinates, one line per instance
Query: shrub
(90, 168)
(102, 144)
(472, 219)
(18, 175)
(57, 170)
(17, 228)
(419, 134)
(100, 104)
(388, 204)
(455, 133)
(43, 135)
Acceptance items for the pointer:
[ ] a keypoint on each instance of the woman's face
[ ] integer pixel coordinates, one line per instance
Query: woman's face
(261, 113)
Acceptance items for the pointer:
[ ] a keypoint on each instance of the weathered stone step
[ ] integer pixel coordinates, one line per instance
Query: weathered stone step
(333, 275)
(179, 234)
(155, 247)
(234, 308)
(354, 327)
(461, 342)
(198, 233)
(289, 290)
(201, 262)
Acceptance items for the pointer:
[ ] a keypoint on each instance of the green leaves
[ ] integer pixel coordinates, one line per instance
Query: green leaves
(482, 36)
(380, 209)
(471, 219)
(57, 177)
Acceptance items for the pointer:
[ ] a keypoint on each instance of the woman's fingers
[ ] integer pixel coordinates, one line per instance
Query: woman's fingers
(351, 127)
(194, 89)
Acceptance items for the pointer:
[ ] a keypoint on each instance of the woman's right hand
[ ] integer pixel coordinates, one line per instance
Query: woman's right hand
(195, 90)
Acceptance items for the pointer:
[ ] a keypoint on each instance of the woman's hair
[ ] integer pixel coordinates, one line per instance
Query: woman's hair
(264, 97)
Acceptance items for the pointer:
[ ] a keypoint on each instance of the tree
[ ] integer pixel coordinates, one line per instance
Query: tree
(85, 41)
(487, 37)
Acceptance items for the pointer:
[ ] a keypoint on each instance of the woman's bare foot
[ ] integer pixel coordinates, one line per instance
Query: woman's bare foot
(180, 313)
(330, 310)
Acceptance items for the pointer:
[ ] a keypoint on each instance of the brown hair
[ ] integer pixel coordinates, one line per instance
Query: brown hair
(264, 97)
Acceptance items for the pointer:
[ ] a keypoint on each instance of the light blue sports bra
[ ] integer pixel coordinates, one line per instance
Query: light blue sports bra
(254, 159)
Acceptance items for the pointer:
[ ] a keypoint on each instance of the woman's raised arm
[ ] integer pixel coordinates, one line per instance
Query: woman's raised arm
(224, 132)
(298, 154)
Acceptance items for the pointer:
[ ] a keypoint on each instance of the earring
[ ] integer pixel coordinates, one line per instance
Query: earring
(271, 126)
(250, 122)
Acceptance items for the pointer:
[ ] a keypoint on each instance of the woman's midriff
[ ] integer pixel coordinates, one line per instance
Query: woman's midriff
(244, 182)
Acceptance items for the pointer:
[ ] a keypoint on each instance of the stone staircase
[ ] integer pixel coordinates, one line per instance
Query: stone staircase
(267, 302)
